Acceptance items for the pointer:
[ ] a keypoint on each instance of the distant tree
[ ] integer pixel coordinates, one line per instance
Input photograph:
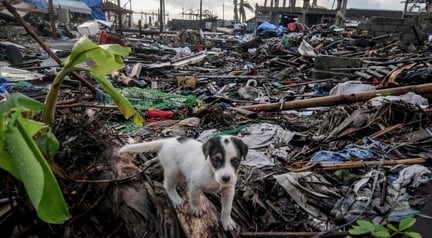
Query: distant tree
(242, 9)
(236, 16)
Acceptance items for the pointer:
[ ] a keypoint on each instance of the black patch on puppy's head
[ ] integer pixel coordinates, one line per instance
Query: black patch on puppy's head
(214, 150)
(241, 147)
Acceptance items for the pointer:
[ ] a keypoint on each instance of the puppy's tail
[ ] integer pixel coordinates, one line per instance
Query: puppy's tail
(151, 146)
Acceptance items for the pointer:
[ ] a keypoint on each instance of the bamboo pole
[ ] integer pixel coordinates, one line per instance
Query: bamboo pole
(363, 164)
(305, 166)
(339, 99)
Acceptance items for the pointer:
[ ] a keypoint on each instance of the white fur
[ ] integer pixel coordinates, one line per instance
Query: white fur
(187, 159)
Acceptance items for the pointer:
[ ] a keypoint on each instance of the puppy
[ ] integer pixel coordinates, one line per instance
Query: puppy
(211, 166)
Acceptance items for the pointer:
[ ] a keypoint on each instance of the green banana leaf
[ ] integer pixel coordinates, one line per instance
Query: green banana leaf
(124, 105)
(34, 171)
(22, 102)
(105, 58)
(7, 163)
(22, 142)
(101, 60)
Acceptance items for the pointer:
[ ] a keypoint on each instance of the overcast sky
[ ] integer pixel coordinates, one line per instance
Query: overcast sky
(224, 8)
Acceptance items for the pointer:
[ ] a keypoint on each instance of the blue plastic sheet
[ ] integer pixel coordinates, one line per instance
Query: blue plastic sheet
(266, 26)
(368, 151)
(5, 85)
(96, 7)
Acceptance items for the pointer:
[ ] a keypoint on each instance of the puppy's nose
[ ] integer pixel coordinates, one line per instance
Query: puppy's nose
(226, 178)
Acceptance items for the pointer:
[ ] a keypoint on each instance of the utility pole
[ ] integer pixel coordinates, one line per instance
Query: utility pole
(119, 15)
(52, 20)
(201, 22)
(223, 13)
(161, 15)
(130, 14)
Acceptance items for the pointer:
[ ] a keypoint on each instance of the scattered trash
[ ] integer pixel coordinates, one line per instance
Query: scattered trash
(338, 124)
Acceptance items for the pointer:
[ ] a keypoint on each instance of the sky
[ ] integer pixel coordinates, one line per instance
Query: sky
(224, 8)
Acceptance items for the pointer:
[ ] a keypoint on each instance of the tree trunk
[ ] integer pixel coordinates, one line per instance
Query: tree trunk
(205, 226)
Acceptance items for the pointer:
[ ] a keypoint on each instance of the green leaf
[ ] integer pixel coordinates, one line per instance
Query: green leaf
(379, 227)
(406, 223)
(116, 49)
(21, 101)
(33, 127)
(392, 227)
(35, 173)
(358, 231)
(7, 163)
(384, 94)
(4, 107)
(104, 62)
(381, 234)
(124, 105)
(47, 142)
(81, 47)
(27, 165)
(366, 225)
(106, 58)
(43, 136)
(412, 234)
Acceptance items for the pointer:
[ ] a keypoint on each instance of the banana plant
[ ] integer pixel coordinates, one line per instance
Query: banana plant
(24, 146)
(27, 145)
(99, 60)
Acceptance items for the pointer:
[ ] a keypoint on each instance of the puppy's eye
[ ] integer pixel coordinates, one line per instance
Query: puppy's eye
(235, 161)
(217, 160)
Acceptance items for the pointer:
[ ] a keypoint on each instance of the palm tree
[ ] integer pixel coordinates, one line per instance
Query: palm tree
(241, 9)
(244, 4)
(236, 16)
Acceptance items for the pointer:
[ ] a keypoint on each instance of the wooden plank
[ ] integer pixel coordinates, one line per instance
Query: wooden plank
(383, 71)
(374, 73)
(363, 75)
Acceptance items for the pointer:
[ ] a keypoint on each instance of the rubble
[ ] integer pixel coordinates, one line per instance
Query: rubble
(338, 126)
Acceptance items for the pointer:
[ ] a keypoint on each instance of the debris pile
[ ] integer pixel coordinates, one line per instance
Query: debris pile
(338, 126)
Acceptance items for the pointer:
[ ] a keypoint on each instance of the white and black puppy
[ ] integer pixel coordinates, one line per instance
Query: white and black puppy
(211, 166)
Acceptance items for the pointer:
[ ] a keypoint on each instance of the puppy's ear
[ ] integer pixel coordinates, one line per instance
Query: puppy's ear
(243, 148)
(207, 147)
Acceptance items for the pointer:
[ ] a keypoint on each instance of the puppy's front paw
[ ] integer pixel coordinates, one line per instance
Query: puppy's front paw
(228, 224)
(197, 211)
(176, 201)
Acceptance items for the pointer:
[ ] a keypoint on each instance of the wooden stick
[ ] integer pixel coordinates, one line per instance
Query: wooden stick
(381, 132)
(363, 164)
(28, 10)
(247, 113)
(339, 99)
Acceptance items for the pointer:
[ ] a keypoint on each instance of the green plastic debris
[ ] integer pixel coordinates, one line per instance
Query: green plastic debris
(232, 131)
(149, 98)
